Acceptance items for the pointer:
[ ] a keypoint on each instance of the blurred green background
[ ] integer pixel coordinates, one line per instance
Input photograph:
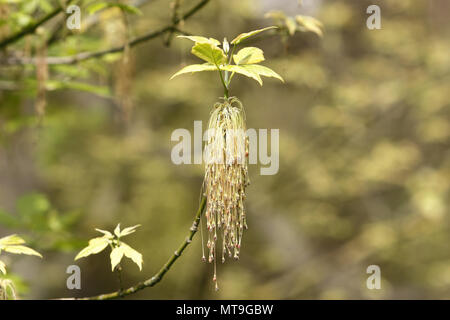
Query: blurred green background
(364, 153)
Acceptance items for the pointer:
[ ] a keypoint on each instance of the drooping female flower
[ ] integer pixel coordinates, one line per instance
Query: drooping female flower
(226, 178)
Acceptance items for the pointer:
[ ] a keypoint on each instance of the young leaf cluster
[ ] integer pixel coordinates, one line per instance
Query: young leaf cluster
(119, 249)
(218, 57)
(14, 244)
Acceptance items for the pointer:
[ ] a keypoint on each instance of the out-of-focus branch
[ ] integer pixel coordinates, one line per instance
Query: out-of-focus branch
(164, 269)
(96, 54)
(88, 22)
(29, 29)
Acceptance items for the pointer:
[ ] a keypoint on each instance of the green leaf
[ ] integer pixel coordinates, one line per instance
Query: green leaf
(132, 254)
(307, 23)
(262, 71)
(11, 240)
(195, 68)
(21, 250)
(129, 230)
(116, 256)
(246, 35)
(248, 55)
(2, 267)
(199, 39)
(95, 246)
(209, 52)
(243, 71)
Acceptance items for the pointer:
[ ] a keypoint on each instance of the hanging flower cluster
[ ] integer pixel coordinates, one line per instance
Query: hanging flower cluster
(226, 178)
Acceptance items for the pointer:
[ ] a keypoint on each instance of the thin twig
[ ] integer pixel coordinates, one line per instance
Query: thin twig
(89, 55)
(160, 274)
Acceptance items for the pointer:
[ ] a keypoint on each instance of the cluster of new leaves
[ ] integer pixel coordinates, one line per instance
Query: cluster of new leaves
(298, 23)
(220, 58)
(14, 244)
(118, 247)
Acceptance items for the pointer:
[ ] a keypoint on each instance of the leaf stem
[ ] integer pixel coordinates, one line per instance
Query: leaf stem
(225, 87)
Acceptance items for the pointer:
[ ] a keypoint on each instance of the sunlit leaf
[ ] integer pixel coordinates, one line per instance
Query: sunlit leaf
(129, 230)
(262, 71)
(195, 68)
(117, 230)
(276, 15)
(11, 240)
(21, 250)
(209, 52)
(107, 234)
(116, 256)
(243, 71)
(132, 254)
(95, 246)
(200, 39)
(247, 35)
(310, 24)
(291, 25)
(249, 55)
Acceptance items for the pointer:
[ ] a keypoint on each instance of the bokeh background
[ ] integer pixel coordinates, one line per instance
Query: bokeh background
(364, 153)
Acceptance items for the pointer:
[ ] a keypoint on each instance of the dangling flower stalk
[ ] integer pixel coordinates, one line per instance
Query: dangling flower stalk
(226, 178)
(226, 150)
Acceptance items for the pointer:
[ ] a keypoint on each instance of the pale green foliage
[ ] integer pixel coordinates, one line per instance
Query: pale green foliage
(249, 55)
(311, 24)
(298, 23)
(14, 244)
(118, 248)
(246, 35)
(209, 52)
(218, 59)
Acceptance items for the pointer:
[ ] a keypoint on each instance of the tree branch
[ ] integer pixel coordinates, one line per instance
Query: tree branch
(89, 55)
(160, 274)
(31, 28)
